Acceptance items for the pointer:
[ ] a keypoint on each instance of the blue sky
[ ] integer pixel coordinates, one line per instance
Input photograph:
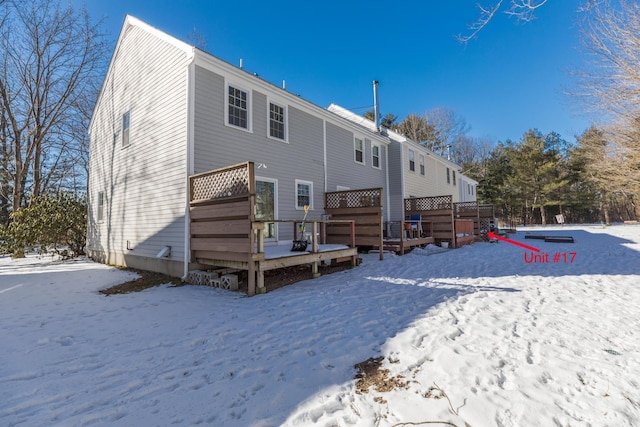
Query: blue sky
(512, 78)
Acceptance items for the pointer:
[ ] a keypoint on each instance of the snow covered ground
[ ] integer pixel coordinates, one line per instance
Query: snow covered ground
(480, 336)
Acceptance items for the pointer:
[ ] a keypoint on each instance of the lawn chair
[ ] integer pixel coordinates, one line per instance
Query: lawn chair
(415, 226)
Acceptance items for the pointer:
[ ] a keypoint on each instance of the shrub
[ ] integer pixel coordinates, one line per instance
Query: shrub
(51, 224)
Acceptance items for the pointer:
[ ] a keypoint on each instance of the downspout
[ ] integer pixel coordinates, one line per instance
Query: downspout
(387, 195)
(324, 146)
(191, 73)
(404, 195)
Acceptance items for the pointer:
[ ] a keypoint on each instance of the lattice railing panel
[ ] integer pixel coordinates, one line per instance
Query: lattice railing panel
(485, 227)
(434, 203)
(221, 183)
(353, 198)
(466, 209)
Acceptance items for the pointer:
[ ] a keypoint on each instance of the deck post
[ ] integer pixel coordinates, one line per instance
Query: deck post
(261, 288)
(251, 288)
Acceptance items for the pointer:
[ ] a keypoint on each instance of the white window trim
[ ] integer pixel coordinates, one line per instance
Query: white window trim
(286, 119)
(303, 182)
(100, 208)
(410, 151)
(275, 205)
(356, 138)
(379, 156)
(243, 88)
(448, 177)
(122, 144)
(421, 165)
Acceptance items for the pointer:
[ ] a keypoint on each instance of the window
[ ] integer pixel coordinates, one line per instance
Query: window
(358, 145)
(448, 177)
(454, 177)
(101, 206)
(468, 188)
(238, 108)
(412, 161)
(375, 156)
(421, 164)
(126, 124)
(277, 121)
(304, 194)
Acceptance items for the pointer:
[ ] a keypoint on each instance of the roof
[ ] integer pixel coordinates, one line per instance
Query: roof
(202, 56)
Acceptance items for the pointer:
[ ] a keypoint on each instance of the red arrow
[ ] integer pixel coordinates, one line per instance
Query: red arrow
(493, 235)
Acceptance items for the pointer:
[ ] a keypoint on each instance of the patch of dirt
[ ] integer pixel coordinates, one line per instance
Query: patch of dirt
(370, 374)
(275, 279)
(147, 279)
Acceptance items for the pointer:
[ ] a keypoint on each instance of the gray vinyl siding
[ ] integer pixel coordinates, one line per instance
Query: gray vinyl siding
(343, 170)
(145, 183)
(433, 182)
(217, 145)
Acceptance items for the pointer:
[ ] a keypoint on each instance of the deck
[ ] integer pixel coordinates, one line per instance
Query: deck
(225, 233)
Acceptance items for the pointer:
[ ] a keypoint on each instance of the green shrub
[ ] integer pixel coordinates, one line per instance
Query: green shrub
(51, 224)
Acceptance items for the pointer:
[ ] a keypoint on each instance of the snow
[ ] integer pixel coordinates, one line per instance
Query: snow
(500, 341)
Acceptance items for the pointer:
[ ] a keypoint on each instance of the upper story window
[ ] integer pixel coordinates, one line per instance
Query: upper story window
(358, 146)
(126, 124)
(100, 213)
(412, 161)
(238, 107)
(304, 194)
(454, 177)
(421, 164)
(277, 121)
(375, 156)
(448, 176)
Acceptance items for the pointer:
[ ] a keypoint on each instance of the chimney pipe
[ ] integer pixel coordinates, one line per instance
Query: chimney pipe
(376, 107)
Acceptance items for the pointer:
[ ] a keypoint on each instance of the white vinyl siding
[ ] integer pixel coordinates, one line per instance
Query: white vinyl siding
(144, 185)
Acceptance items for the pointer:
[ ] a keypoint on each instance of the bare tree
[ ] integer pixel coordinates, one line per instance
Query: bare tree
(51, 62)
(523, 10)
(416, 128)
(472, 154)
(197, 39)
(611, 86)
(450, 128)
